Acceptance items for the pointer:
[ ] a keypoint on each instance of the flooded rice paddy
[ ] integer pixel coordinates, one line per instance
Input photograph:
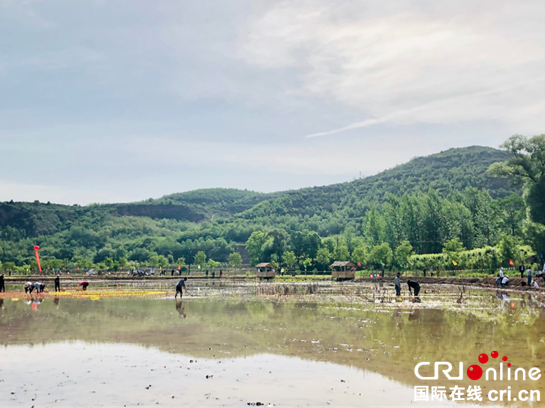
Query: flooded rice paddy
(239, 343)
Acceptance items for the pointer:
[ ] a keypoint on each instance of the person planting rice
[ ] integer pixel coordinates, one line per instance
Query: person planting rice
(57, 284)
(179, 287)
(84, 285)
(413, 286)
(28, 287)
(39, 287)
(505, 281)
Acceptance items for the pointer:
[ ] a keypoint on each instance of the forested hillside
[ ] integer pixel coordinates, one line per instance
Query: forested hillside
(427, 201)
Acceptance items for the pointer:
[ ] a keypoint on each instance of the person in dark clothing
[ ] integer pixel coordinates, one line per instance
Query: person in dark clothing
(57, 284)
(2, 284)
(414, 286)
(179, 287)
(39, 287)
(522, 270)
(172, 272)
(397, 284)
(28, 287)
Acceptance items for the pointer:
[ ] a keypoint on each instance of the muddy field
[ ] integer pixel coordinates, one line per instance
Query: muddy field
(249, 343)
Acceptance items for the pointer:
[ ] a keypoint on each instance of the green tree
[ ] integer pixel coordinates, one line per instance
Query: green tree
(381, 255)
(254, 246)
(83, 263)
(235, 259)
(305, 244)
(329, 244)
(212, 264)
(323, 256)
(373, 226)
(290, 259)
(341, 253)
(453, 249)
(512, 213)
(349, 236)
(276, 243)
(508, 248)
(180, 262)
(403, 252)
(527, 168)
(200, 259)
(453, 245)
(108, 262)
(360, 255)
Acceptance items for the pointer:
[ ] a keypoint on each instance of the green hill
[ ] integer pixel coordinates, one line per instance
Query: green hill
(219, 220)
(446, 172)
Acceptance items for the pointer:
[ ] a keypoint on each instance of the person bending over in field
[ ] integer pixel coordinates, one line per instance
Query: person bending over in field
(414, 286)
(28, 287)
(179, 287)
(84, 285)
(39, 287)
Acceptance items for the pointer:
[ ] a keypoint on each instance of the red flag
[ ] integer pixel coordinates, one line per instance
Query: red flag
(511, 262)
(36, 248)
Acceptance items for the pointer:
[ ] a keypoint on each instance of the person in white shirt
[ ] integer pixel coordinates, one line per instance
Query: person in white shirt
(501, 273)
(504, 281)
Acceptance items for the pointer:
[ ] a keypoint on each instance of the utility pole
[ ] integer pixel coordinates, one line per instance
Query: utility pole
(189, 271)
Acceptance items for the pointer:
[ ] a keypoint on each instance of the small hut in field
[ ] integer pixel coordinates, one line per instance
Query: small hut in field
(343, 270)
(265, 270)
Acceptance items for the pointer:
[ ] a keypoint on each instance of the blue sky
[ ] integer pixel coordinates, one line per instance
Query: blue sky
(108, 101)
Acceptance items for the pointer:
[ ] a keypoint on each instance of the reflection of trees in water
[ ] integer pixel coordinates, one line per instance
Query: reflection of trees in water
(374, 337)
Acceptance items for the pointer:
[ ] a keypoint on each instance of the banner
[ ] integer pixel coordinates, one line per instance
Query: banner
(36, 248)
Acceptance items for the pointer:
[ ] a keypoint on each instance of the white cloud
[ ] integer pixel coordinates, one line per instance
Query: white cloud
(406, 63)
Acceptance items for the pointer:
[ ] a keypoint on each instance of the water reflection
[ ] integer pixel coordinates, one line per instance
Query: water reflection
(180, 307)
(385, 338)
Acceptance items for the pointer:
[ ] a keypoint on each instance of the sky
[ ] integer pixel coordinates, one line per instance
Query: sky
(116, 101)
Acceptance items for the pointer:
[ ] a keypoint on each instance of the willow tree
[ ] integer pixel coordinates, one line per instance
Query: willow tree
(526, 168)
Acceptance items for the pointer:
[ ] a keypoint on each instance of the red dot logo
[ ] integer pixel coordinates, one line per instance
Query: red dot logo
(504, 358)
(508, 364)
(494, 354)
(474, 372)
(483, 358)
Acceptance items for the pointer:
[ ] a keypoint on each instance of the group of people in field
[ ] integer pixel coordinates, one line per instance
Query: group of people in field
(503, 280)
(413, 287)
(39, 287)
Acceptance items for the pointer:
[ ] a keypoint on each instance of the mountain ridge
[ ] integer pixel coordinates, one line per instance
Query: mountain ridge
(450, 170)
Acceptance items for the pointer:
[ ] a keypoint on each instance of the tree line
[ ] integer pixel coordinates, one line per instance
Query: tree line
(395, 231)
